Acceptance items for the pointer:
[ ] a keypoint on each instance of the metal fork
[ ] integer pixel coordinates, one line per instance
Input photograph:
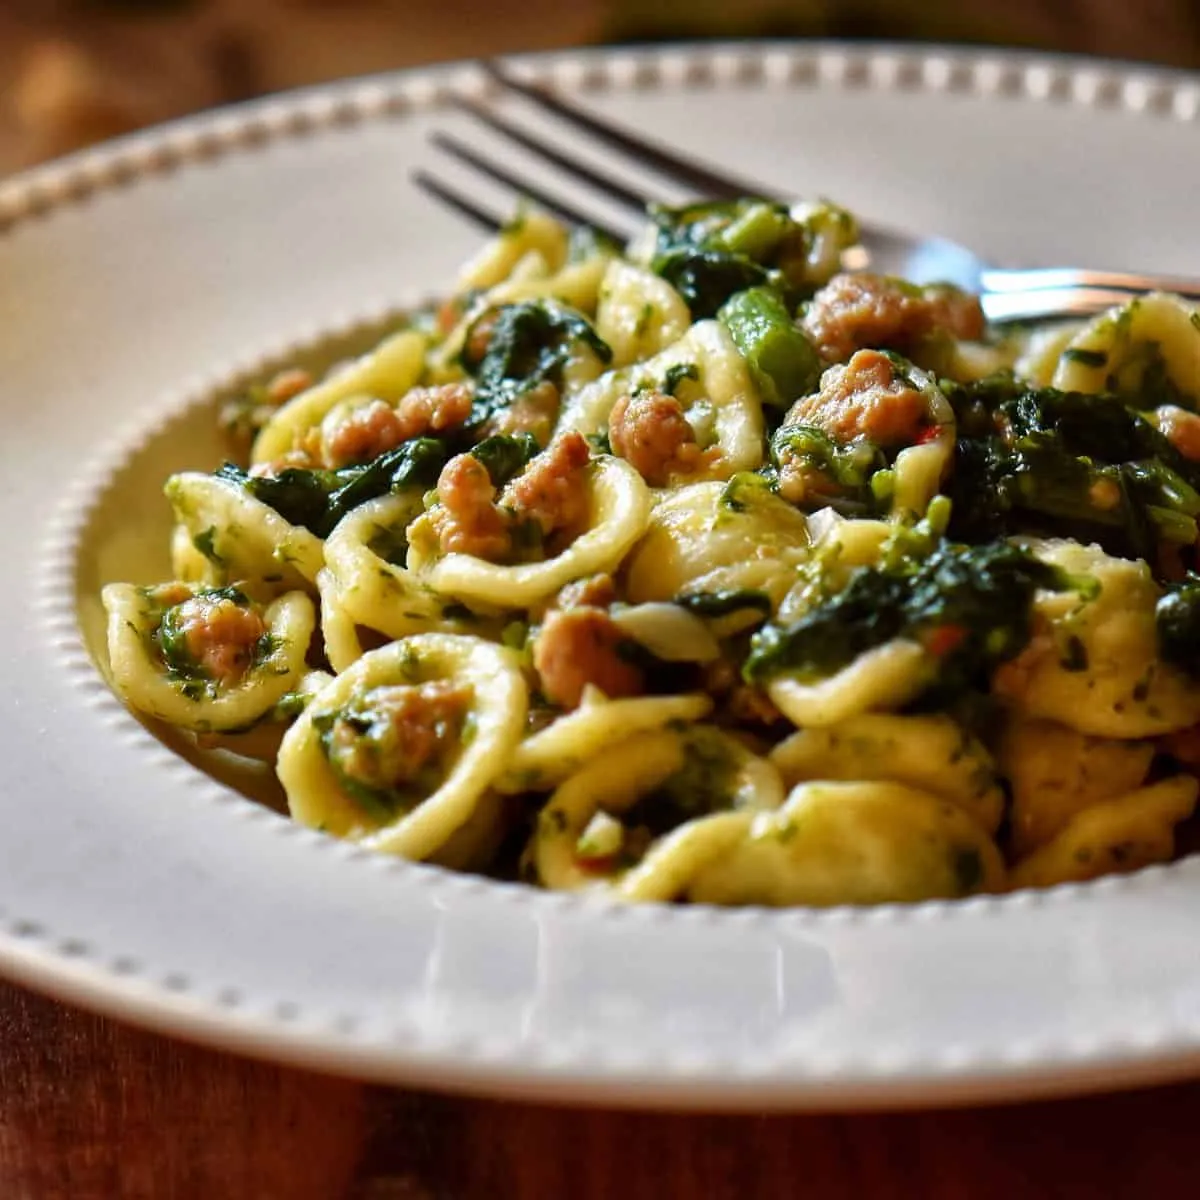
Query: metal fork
(1006, 294)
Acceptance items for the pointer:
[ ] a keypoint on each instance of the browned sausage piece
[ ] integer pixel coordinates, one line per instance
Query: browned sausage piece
(581, 646)
(858, 311)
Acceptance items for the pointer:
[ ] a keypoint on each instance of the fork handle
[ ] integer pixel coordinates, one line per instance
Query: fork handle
(1049, 302)
(1061, 278)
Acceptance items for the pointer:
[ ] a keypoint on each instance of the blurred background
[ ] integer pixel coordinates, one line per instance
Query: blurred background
(78, 71)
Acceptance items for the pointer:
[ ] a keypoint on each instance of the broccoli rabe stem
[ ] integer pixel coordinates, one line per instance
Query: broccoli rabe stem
(781, 359)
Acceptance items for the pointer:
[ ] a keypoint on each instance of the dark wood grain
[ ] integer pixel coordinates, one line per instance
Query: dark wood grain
(90, 1108)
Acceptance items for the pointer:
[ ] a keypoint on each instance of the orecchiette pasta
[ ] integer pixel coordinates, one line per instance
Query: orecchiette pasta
(854, 843)
(374, 589)
(240, 536)
(618, 509)
(641, 819)
(568, 743)
(208, 660)
(1116, 350)
(1094, 666)
(639, 314)
(932, 753)
(705, 538)
(401, 747)
(1134, 830)
(386, 373)
(1054, 773)
(886, 677)
(575, 573)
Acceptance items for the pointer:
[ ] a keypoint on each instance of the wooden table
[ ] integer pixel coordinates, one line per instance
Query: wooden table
(93, 1109)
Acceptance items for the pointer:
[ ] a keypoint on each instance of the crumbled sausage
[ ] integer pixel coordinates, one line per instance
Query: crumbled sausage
(479, 336)
(648, 430)
(240, 420)
(595, 591)
(533, 412)
(220, 635)
(287, 385)
(553, 489)
(864, 398)
(1012, 679)
(1180, 427)
(551, 495)
(466, 519)
(1183, 746)
(374, 428)
(859, 311)
(737, 701)
(397, 731)
(363, 434)
(581, 646)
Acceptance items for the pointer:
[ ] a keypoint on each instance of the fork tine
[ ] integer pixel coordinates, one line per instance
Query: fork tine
(672, 166)
(631, 199)
(456, 201)
(486, 166)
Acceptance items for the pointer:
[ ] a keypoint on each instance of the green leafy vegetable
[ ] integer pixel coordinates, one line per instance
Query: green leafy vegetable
(829, 473)
(1067, 464)
(676, 374)
(203, 542)
(711, 250)
(707, 278)
(746, 489)
(969, 605)
(781, 359)
(505, 456)
(318, 500)
(1177, 621)
(721, 604)
(528, 344)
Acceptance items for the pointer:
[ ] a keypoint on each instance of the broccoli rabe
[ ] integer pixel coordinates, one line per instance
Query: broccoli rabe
(1087, 467)
(969, 606)
(318, 500)
(815, 472)
(527, 344)
(505, 456)
(710, 251)
(1177, 621)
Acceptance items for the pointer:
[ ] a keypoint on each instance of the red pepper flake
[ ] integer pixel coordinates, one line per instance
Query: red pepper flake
(605, 865)
(448, 315)
(929, 434)
(943, 640)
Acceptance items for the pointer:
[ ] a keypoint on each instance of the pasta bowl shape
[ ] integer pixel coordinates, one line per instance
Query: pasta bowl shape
(493, 986)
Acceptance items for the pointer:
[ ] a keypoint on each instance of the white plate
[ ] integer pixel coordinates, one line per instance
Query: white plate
(131, 882)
